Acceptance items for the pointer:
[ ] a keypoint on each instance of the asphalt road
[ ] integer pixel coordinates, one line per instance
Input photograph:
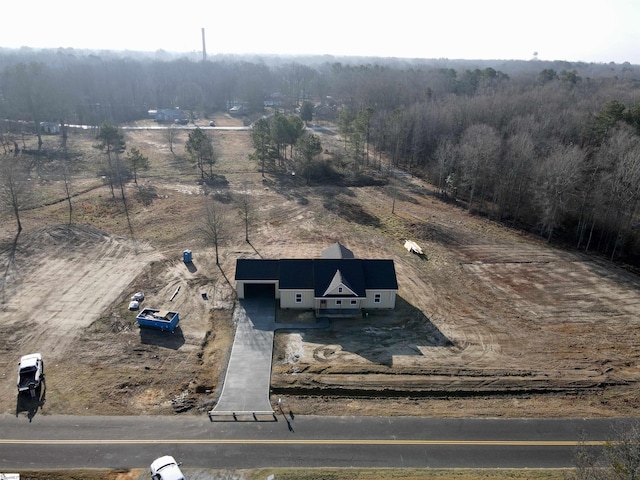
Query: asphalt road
(49, 442)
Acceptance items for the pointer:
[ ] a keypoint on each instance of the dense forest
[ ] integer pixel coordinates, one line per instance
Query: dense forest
(550, 147)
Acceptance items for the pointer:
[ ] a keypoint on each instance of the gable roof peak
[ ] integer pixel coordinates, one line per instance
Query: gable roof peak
(337, 250)
(336, 282)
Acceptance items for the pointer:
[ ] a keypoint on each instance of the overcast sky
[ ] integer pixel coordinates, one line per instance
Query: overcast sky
(575, 30)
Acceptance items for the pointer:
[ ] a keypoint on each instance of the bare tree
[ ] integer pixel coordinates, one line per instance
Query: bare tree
(619, 459)
(445, 156)
(246, 211)
(558, 178)
(515, 174)
(212, 226)
(69, 165)
(171, 134)
(295, 82)
(479, 150)
(31, 91)
(190, 96)
(15, 187)
(620, 183)
(112, 143)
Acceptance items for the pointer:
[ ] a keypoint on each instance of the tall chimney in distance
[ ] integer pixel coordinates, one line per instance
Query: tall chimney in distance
(204, 48)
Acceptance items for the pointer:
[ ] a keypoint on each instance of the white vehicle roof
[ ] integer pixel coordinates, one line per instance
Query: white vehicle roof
(30, 360)
(167, 468)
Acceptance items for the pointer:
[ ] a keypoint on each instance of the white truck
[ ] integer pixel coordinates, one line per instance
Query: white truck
(166, 468)
(30, 373)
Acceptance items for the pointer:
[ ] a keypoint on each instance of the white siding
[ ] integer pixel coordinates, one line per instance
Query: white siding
(387, 299)
(332, 303)
(288, 299)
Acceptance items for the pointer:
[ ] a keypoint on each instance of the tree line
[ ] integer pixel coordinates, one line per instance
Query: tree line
(559, 158)
(552, 147)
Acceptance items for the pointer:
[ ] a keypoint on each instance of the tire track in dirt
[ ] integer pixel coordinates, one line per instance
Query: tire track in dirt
(517, 313)
(62, 288)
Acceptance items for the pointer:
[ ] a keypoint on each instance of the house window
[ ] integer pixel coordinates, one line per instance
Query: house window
(354, 302)
(338, 303)
(298, 298)
(339, 289)
(376, 298)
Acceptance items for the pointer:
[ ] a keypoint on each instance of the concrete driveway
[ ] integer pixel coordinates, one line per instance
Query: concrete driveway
(245, 392)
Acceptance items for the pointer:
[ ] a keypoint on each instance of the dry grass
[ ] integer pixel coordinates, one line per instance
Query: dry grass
(80, 474)
(311, 474)
(409, 474)
(500, 324)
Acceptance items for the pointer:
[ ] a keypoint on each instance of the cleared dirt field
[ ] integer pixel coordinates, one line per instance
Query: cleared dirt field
(490, 322)
(488, 312)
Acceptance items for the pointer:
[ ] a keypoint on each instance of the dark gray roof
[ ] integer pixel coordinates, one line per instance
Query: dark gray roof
(351, 270)
(357, 274)
(296, 274)
(257, 269)
(337, 250)
(381, 273)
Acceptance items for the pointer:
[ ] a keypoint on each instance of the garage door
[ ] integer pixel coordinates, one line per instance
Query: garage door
(259, 290)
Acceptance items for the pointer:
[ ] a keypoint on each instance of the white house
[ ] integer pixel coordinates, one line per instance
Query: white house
(335, 285)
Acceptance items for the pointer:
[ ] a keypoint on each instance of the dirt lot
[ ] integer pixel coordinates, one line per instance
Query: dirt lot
(490, 322)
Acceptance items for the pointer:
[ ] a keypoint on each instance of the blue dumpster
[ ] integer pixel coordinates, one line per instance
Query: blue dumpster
(161, 320)
(186, 255)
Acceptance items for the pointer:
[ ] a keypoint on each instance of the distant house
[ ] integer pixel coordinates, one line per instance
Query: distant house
(335, 285)
(50, 128)
(238, 110)
(169, 115)
(274, 100)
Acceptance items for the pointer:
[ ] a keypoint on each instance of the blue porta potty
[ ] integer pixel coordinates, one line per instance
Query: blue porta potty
(186, 255)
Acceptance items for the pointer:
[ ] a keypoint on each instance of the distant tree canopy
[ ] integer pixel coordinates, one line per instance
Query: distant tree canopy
(306, 111)
(551, 147)
(271, 137)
